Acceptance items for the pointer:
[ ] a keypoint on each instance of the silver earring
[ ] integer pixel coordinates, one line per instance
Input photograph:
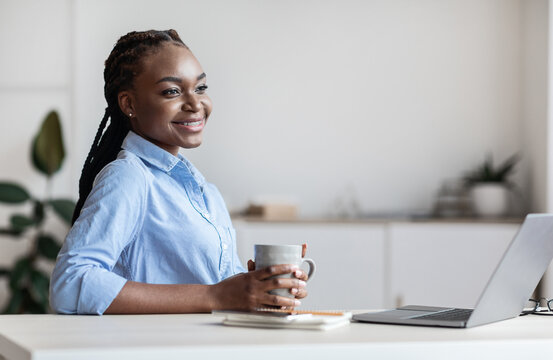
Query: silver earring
(130, 114)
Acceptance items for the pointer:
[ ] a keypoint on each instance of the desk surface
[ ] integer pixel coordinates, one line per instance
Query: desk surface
(204, 337)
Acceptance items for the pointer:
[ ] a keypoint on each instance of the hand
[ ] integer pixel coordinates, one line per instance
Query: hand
(299, 292)
(250, 290)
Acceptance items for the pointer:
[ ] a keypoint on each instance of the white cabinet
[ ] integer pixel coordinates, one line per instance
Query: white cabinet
(444, 264)
(382, 265)
(349, 257)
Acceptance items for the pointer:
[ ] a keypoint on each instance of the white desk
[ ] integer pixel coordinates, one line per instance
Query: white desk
(203, 337)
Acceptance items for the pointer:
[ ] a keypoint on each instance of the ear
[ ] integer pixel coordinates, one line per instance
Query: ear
(126, 103)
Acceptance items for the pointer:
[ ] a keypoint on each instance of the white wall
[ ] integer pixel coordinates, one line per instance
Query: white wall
(316, 100)
(35, 78)
(534, 94)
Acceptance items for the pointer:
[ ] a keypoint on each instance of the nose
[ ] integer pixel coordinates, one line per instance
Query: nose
(192, 103)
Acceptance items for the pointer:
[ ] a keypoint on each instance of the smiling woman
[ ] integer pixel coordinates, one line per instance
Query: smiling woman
(149, 234)
(168, 104)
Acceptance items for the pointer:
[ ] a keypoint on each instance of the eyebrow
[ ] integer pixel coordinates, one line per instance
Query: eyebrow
(177, 79)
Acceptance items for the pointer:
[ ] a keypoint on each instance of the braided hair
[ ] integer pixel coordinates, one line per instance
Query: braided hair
(121, 67)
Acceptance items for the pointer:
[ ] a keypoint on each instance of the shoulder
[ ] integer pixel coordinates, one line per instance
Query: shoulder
(121, 187)
(126, 172)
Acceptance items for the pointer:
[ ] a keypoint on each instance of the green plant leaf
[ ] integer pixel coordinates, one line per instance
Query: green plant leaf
(64, 208)
(30, 305)
(36, 161)
(19, 272)
(38, 212)
(21, 222)
(39, 287)
(48, 247)
(48, 150)
(11, 232)
(14, 304)
(13, 193)
(488, 173)
(507, 167)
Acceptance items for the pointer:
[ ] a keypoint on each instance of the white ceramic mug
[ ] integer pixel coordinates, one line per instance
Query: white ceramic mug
(268, 255)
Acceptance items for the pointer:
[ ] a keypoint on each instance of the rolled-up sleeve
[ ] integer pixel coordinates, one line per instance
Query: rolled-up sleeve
(83, 281)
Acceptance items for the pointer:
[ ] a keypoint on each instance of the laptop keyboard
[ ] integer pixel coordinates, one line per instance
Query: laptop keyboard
(453, 315)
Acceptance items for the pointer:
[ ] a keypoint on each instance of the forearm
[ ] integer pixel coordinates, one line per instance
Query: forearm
(141, 298)
(246, 291)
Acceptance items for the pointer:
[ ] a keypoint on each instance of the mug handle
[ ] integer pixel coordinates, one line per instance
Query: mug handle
(311, 267)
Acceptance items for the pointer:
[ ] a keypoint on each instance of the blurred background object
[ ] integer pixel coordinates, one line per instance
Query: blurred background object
(272, 211)
(490, 187)
(28, 282)
(453, 200)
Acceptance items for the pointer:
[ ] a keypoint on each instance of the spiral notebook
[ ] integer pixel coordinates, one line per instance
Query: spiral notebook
(295, 319)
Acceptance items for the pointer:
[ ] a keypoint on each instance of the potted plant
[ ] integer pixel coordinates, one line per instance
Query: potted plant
(489, 187)
(28, 283)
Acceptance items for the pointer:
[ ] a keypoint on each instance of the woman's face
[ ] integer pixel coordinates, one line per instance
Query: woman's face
(168, 102)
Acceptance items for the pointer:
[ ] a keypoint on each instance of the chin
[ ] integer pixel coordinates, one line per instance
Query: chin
(191, 144)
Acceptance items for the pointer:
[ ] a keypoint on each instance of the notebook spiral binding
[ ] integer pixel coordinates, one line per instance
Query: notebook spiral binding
(297, 312)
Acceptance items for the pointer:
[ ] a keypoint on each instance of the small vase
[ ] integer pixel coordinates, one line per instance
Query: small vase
(490, 199)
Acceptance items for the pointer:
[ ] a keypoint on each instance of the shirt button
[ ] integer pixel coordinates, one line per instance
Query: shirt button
(225, 246)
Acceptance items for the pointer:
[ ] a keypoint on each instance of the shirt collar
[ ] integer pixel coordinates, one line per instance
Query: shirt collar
(158, 157)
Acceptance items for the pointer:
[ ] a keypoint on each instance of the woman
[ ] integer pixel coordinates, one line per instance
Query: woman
(150, 235)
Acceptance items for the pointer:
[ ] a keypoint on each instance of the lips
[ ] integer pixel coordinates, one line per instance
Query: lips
(194, 122)
(190, 124)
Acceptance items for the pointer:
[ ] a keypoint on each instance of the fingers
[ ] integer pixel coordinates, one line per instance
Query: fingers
(246, 291)
(275, 270)
(271, 280)
(303, 249)
(299, 293)
(280, 301)
(267, 280)
(251, 265)
(300, 274)
(282, 283)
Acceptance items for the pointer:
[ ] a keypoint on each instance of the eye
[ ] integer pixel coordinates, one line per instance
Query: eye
(171, 92)
(201, 89)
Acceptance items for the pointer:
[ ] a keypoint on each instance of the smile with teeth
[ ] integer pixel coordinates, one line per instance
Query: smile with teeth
(190, 123)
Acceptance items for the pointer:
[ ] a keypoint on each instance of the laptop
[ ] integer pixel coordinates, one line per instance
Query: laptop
(507, 291)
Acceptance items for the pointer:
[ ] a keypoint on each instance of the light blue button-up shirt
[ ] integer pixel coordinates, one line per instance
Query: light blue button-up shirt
(151, 217)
